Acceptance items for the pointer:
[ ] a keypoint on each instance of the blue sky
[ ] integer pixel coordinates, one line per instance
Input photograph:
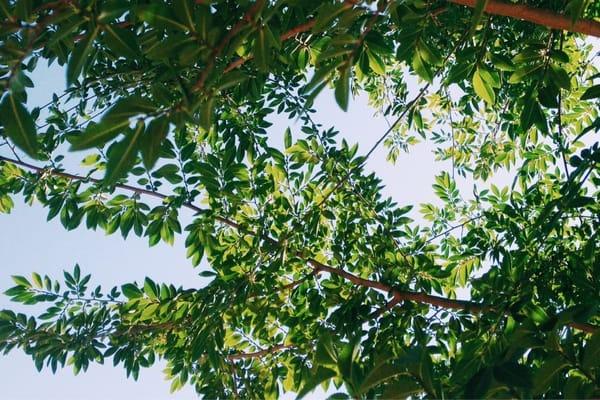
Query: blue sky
(29, 243)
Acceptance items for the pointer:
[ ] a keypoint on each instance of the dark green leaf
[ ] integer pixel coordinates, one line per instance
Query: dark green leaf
(342, 88)
(403, 387)
(591, 93)
(544, 375)
(128, 107)
(321, 375)
(80, 56)
(591, 352)
(98, 134)
(122, 41)
(150, 144)
(381, 374)
(19, 125)
(123, 155)
(131, 291)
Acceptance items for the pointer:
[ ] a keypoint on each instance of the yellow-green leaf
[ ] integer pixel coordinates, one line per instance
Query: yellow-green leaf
(483, 88)
(376, 63)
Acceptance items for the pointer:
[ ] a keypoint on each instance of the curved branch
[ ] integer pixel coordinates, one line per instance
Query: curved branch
(318, 267)
(537, 16)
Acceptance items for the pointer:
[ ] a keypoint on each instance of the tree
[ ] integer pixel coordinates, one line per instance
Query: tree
(316, 278)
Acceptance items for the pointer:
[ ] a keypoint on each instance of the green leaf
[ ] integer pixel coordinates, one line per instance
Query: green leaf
(98, 134)
(502, 62)
(37, 280)
(5, 11)
(482, 88)
(21, 280)
(131, 291)
(206, 113)
(122, 41)
(347, 362)
(403, 387)
(129, 107)
(325, 354)
(19, 125)
(560, 77)
(150, 288)
(544, 375)
(321, 375)
(261, 50)
(521, 73)
(80, 56)
(480, 385)
(591, 93)
(325, 14)
(150, 144)
(427, 53)
(513, 374)
(537, 314)
(67, 28)
(591, 352)
(149, 311)
(184, 13)
(548, 96)
(287, 138)
(231, 79)
(376, 63)
(342, 88)
(421, 67)
(160, 16)
(123, 155)
(381, 374)
(528, 114)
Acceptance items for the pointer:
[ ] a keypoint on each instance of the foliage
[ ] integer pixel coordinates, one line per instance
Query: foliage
(316, 278)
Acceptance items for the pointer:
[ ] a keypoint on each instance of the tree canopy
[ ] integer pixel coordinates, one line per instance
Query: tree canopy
(315, 277)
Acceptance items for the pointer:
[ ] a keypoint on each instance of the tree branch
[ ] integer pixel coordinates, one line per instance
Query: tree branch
(318, 267)
(537, 16)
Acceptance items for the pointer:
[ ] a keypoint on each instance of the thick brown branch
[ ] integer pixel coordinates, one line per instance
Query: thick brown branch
(424, 298)
(537, 16)
(318, 267)
(518, 11)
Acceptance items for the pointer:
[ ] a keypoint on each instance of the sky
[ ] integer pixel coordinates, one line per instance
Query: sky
(29, 243)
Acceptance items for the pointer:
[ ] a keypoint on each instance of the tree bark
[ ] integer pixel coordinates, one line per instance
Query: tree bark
(537, 16)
